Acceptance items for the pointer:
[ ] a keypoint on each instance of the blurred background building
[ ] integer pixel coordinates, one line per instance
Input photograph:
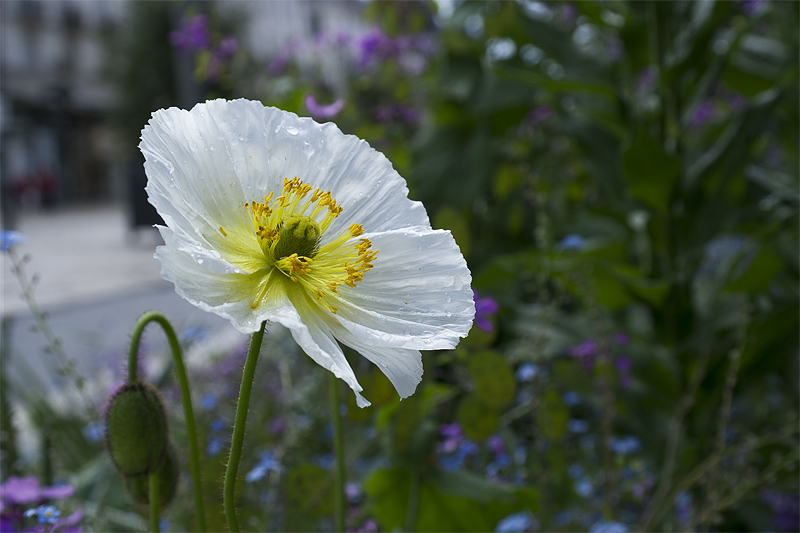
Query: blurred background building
(65, 73)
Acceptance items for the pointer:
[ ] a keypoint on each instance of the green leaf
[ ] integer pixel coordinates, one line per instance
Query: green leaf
(451, 219)
(477, 419)
(493, 379)
(469, 485)
(552, 416)
(650, 171)
(309, 491)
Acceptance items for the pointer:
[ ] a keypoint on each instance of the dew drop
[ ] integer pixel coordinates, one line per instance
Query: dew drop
(291, 130)
(448, 299)
(308, 149)
(199, 261)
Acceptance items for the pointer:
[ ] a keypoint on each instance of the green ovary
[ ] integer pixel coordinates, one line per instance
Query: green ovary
(298, 235)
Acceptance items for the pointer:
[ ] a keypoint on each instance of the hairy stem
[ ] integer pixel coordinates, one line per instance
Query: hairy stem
(338, 444)
(186, 400)
(229, 489)
(154, 503)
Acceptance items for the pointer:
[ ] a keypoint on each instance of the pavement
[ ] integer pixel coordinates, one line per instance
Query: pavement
(96, 277)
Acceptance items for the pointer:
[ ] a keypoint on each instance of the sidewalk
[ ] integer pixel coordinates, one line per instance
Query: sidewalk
(96, 280)
(81, 255)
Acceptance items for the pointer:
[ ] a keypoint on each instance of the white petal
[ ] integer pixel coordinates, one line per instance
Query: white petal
(202, 282)
(209, 161)
(314, 336)
(417, 296)
(402, 367)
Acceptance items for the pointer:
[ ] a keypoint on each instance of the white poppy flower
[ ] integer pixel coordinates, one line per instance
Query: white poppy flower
(275, 217)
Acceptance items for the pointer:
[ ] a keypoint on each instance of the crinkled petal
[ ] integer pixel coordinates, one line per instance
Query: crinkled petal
(417, 296)
(313, 335)
(402, 367)
(227, 294)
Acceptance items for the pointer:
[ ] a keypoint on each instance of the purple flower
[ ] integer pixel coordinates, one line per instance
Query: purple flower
(22, 490)
(193, 36)
(785, 508)
(485, 308)
(752, 7)
(496, 446)
(282, 58)
(373, 47)
(221, 54)
(622, 338)
(319, 111)
(10, 238)
(646, 79)
(624, 364)
(703, 114)
(386, 113)
(584, 350)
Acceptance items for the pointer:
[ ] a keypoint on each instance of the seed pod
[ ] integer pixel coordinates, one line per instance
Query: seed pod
(139, 486)
(136, 429)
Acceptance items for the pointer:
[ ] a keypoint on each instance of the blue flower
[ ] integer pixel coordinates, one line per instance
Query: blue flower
(625, 445)
(578, 426)
(527, 372)
(524, 521)
(10, 238)
(209, 402)
(575, 471)
(261, 469)
(93, 431)
(572, 398)
(571, 242)
(45, 514)
(583, 487)
(608, 527)
(214, 447)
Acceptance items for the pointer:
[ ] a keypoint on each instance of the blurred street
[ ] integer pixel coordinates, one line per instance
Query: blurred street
(96, 278)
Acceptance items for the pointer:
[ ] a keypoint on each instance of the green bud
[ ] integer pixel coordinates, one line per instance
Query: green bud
(136, 429)
(139, 486)
(299, 235)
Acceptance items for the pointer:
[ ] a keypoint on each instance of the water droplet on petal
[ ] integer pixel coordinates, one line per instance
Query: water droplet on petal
(291, 130)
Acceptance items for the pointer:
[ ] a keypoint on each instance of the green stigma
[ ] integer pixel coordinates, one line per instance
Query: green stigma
(298, 235)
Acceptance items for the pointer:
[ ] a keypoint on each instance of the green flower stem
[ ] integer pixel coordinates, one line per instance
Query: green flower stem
(154, 503)
(229, 490)
(338, 445)
(186, 400)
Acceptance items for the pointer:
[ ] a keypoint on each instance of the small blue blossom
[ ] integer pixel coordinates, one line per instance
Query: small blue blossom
(324, 461)
(93, 431)
(524, 521)
(575, 471)
(263, 466)
(218, 424)
(572, 399)
(608, 527)
(214, 447)
(625, 445)
(571, 242)
(578, 426)
(527, 372)
(583, 487)
(209, 402)
(45, 514)
(10, 238)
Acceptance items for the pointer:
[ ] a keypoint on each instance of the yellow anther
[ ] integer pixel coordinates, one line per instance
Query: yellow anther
(356, 230)
(320, 294)
(223, 232)
(362, 245)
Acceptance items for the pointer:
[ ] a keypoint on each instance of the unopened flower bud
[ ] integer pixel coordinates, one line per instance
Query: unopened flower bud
(139, 488)
(136, 429)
